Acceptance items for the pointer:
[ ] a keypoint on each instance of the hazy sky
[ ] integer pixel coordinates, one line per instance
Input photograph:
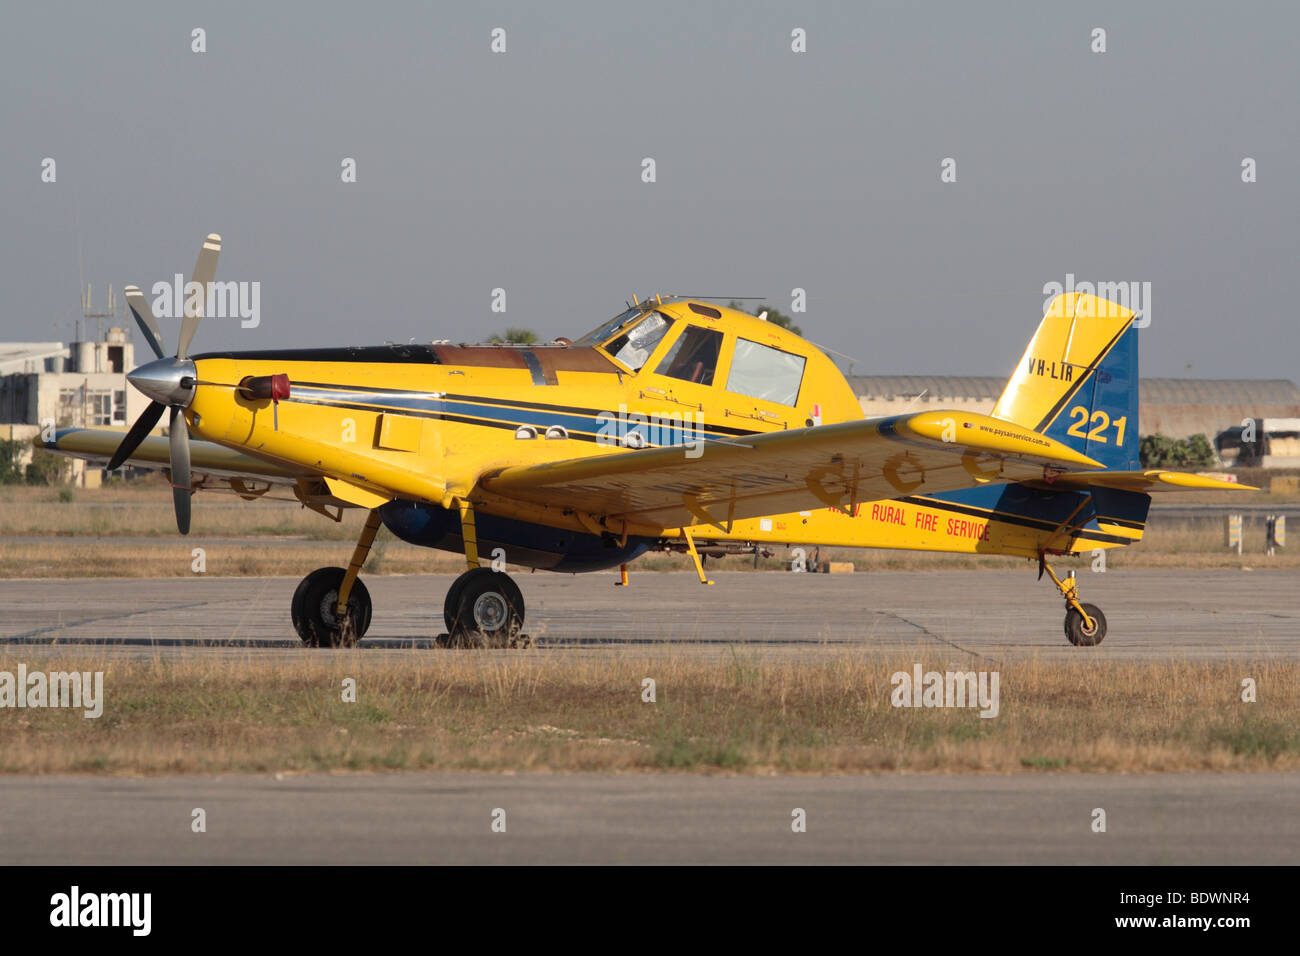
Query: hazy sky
(775, 169)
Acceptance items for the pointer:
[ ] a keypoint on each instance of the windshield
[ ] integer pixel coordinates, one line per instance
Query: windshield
(602, 334)
(633, 347)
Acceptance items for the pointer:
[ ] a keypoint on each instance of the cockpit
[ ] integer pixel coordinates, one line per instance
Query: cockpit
(749, 368)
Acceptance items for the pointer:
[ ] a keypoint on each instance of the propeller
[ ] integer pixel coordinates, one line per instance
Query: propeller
(142, 427)
(170, 381)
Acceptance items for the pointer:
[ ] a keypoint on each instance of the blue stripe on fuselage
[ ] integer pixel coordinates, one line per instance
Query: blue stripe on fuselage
(667, 430)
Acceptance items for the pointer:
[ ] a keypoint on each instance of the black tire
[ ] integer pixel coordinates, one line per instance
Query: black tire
(451, 603)
(490, 613)
(1080, 636)
(313, 610)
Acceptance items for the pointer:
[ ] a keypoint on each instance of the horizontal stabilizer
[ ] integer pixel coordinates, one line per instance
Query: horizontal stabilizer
(1145, 481)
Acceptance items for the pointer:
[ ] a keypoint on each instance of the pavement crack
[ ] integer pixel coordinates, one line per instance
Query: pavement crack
(62, 625)
(939, 637)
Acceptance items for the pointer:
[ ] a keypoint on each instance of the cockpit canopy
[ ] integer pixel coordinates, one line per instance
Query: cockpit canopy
(756, 369)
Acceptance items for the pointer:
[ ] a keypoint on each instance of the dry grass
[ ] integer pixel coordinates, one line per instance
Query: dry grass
(745, 713)
(143, 509)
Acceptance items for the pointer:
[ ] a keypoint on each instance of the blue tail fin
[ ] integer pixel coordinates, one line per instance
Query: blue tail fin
(1100, 418)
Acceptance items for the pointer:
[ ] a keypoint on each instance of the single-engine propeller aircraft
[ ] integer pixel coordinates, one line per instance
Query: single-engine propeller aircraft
(675, 423)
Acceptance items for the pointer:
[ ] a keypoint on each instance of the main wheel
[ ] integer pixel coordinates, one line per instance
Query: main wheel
(1081, 636)
(490, 611)
(451, 603)
(313, 610)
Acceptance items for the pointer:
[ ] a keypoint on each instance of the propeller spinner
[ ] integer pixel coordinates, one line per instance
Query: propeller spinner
(169, 382)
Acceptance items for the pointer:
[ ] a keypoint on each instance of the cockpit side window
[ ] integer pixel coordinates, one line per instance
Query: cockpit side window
(694, 356)
(634, 347)
(766, 373)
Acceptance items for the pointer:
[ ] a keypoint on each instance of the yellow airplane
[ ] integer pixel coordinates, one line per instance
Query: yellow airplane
(675, 423)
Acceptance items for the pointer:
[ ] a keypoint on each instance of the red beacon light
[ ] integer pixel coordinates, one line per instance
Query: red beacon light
(261, 387)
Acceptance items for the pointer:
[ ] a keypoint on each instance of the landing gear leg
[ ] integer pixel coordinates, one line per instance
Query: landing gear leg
(695, 555)
(331, 607)
(483, 608)
(1085, 625)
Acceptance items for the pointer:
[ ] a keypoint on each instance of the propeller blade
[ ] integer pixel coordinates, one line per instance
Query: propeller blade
(142, 427)
(144, 318)
(180, 455)
(204, 272)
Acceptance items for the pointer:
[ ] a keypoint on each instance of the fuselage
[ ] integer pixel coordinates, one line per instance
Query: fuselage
(423, 423)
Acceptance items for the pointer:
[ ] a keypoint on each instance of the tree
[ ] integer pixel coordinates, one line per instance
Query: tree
(513, 337)
(43, 469)
(774, 315)
(1161, 451)
(47, 469)
(11, 469)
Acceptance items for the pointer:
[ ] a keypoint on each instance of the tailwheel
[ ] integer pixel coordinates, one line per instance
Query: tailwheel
(315, 610)
(1078, 631)
(489, 610)
(1085, 625)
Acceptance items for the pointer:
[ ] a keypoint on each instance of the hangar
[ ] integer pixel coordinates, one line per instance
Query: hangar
(1177, 407)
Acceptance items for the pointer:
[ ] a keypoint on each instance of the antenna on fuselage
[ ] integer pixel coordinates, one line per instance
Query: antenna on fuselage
(826, 348)
(914, 399)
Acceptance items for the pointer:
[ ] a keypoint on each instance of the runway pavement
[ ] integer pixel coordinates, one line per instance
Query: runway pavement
(659, 818)
(993, 614)
(419, 818)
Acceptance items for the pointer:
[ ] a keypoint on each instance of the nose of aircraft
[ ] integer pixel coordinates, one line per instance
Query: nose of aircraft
(168, 381)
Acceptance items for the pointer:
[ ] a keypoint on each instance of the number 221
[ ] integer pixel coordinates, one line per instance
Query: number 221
(1100, 422)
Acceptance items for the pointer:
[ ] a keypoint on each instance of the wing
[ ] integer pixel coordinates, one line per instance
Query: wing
(1152, 480)
(794, 470)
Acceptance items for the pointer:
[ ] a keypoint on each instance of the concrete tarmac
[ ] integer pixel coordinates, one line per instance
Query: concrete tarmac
(990, 614)
(447, 818)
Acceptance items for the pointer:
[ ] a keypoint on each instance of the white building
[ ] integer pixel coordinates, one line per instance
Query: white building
(81, 385)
